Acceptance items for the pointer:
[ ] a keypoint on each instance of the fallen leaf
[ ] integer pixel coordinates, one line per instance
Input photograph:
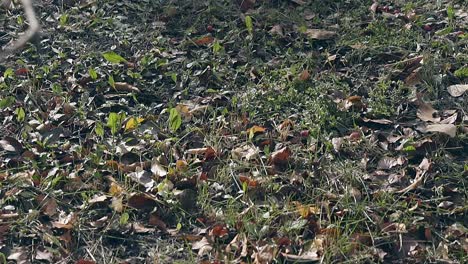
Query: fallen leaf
(387, 163)
(125, 87)
(245, 5)
(248, 181)
(219, 230)
(320, 34)
(141, 201)
(304, 76)
(264, 254)
(256, 129)
(155, 220)
(457, 90)
(246, 152)
(132, 123)
(426, 112)
(143, 177)
(157, 169)
(203, 246)
(117, 204)
(10, 144)
(44, 255)
(354, 101)
(281, 156)
(277, 30)
(205, 40)
(449, 129)
(85, 261)
(181, 165)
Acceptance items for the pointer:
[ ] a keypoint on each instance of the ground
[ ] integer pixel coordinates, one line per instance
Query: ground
(229, 131)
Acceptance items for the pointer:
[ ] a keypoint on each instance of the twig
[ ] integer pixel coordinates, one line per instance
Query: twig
(28, 35)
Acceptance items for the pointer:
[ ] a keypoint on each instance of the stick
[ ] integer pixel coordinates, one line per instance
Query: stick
(28, 35)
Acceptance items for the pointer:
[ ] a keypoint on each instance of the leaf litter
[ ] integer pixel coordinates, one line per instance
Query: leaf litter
(336, 133)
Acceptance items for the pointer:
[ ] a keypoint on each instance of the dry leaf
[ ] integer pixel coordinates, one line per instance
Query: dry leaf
(245, 5)
(426, 112)
(125, 87)
(277, 30)
(10, 144)
(457, 90)
(449, 129)
(280, 157)
(117, 204)
(141, 201)
(320, 34)
(157, 169)
(132, 123)
(143, 177)
(248, 181)
(304, 76)
(387, 163)
(203, 246)
(204, 40)
(256, 129)
(181, 165)
(247, 152)
(219, 230)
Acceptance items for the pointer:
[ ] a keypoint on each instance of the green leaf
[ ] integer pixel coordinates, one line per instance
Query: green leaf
(124, 218)
(111, 81)
(462, 72)
(175, 119)
(217, 47)
(249, 24)
(114, 122)
(99, 129)
(20, 114)
(56, 88)
(7, 101)
(8, 73)
(450, 12)
(92, 73)
(63, 19)
(113, 57)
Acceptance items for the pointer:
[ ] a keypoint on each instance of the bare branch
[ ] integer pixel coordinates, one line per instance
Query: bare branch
(28, 35)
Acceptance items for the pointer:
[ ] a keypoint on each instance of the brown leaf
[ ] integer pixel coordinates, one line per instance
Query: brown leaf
(10, 144)
(248, 181)
(157, 169)
(245, 5)
(354, 101)
(448, 129)
(48, 205)
(281, 156)
(155, 220)
(141, 201)
(205, 40)
(320, 34)
(219, 230)
(426, 112)
(304, 76)
(387, 163)
(125, 87)
(85, 261)
(203, 246)
(457, 90)
(256, 129)
(143, 177)
(247, 152)
(277, 30)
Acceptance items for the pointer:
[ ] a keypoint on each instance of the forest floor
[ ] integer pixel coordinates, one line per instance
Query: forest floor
(220, 131)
